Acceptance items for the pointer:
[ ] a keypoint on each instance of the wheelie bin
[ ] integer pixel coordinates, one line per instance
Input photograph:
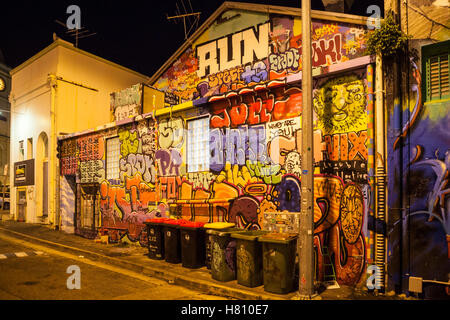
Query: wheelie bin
(223, 254)
(172, 241)
(155, 238)
(279, 251)
(249, 261)
(192, 244)
(214, 226)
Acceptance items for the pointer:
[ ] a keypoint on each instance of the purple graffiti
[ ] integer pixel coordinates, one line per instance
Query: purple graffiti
(235, 146)
(169, 162)
(244, 208)
(288, 194)
(255, 73)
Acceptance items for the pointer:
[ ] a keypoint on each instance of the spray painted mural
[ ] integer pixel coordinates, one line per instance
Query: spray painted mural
(255, 140)
(254, 167)
(217, 63)
(419, 164)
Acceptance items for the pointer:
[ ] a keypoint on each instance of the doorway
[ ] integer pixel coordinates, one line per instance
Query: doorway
(21, 197)
(42, 189)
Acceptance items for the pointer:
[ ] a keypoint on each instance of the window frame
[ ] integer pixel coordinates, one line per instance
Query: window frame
(429, 52)
(108, 161)
(189, 146)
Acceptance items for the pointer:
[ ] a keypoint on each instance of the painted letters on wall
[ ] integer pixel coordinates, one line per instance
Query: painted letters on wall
(220, 62)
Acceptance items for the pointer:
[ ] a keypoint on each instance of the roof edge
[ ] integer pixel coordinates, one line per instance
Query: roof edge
(68, 45)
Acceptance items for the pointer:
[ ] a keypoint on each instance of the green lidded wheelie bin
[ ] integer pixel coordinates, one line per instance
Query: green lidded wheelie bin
(279, 251)
(223, 254)
(215, 226)
(249, 261)
(172, 241)
(155, 237)
(192, 244)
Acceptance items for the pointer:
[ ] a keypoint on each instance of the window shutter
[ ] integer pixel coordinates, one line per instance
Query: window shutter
(438, 77)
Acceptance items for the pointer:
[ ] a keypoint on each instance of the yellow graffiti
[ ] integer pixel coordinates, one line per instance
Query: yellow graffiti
(238, 177)
(340, 105)
(130, 143)
(325, 30)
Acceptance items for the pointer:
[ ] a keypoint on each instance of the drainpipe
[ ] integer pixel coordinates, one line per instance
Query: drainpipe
(380, 173)
(53, 219)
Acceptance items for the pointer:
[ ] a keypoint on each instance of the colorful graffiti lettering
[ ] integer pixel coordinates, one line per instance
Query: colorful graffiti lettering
(269, 173)
(283, 61)
(169, 162)
(255, 73)
(268, 51)
(281, 104)
(169, 187)
(129, 142)
(235, 146)
(91, 171)
(347, 146)
(134, 163)
(200, 179)
(253, 44)
(239, 177)
(170, 132)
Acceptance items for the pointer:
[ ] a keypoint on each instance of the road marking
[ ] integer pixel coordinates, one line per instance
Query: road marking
(21, 254)
(97, 264)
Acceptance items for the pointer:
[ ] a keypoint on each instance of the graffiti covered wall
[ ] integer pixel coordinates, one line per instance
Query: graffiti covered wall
(254, 136)
(243, 49)
(254, 167)
(418, 163)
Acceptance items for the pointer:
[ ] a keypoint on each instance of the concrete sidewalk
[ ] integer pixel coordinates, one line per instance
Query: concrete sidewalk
(134, 258)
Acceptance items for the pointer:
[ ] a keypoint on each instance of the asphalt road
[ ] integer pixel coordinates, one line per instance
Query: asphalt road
(30, 273)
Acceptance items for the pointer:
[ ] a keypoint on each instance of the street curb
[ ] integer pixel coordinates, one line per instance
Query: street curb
(162, 274)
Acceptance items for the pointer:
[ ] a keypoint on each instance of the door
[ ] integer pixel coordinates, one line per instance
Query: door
(45, 188)
(87, 212)
(21, 204)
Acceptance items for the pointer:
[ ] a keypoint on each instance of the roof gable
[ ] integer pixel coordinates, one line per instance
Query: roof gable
(242, 44)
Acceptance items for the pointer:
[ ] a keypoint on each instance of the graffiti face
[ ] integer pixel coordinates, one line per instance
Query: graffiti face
(340, 105)
(351, 210)
(293, 163)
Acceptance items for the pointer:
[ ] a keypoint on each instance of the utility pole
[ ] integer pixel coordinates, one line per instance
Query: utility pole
(306, 228)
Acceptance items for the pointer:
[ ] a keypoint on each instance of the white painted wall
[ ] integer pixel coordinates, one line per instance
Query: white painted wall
(77, 108)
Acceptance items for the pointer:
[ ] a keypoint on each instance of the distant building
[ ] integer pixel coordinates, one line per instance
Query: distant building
(5, 110)
(60, 89)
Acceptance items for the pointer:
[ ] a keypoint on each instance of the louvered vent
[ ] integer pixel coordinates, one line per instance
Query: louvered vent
(437, 77)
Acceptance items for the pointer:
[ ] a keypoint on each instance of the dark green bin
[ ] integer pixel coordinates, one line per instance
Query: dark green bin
(223, 254)
(279, 250)
(215, 226)
(249, 261)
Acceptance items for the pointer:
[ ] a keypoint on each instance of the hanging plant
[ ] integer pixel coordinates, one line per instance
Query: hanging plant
(387, 40)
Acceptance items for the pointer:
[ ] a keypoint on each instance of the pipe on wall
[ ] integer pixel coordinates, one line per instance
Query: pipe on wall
(52, 81)
(380, 171)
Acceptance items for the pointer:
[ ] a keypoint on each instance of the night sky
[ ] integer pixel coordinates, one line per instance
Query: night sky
(133, 33)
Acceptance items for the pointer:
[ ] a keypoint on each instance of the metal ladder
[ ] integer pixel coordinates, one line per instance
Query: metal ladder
(329, 278)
